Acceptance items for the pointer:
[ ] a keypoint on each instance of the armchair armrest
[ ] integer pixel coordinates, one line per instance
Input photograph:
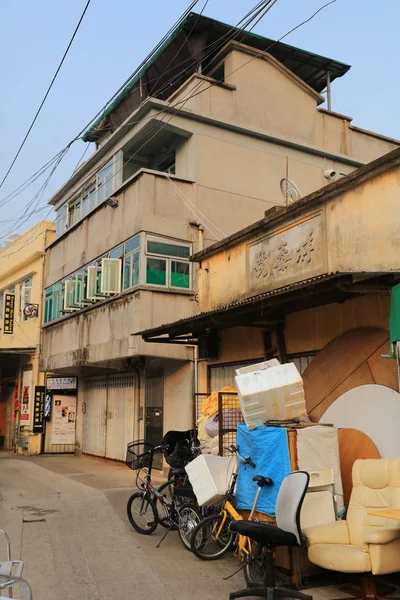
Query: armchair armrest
(380, 535)
(331, 533)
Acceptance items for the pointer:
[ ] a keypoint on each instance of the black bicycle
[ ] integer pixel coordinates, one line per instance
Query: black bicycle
(181, 447)
(181, 511)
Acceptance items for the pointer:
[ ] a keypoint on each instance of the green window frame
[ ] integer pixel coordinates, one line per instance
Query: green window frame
(156, 271)
(179, 274)
(167, 263)
(131, 265)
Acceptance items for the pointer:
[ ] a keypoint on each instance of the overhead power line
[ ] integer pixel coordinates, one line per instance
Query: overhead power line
(46, 94)
(262, 7)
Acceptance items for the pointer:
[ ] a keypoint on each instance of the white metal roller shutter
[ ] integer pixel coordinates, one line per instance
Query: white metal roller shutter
(120, 415)
(95, 416)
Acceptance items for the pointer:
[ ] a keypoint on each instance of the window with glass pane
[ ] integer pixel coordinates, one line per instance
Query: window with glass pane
(105, 179)
(127, 272)
(179, 274)
(53, 302)
(156, 271)
(131, 270)
(116, 252)
(88, 199)
(61, 220)
(48, 305)
(168, 249)
(135, 268)
(78, 290)
(132, 244)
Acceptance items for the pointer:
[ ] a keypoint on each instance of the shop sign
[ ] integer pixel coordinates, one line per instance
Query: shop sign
(9, 309)
(26, 397)
(61, 383)
(63, 420)
(38, 409)
(288, 255)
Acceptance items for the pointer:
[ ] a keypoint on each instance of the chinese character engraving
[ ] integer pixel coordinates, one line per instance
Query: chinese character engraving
(304, 251)
(261, 266)
(282, 258)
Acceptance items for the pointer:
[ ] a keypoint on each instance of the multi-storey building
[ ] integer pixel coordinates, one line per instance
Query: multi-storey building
(209, 134)
(21, 307)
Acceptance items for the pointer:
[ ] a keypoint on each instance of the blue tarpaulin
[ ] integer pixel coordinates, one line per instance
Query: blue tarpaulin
(268, 448)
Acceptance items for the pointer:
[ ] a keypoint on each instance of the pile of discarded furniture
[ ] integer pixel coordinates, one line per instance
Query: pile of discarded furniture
(332, 504)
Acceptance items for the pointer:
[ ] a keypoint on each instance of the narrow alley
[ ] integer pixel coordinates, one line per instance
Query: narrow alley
(66, 519)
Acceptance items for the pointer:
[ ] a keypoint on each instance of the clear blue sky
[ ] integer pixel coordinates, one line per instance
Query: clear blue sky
(115, 37)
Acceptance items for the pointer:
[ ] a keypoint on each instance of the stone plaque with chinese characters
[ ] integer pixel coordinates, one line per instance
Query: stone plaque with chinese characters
(290, 254)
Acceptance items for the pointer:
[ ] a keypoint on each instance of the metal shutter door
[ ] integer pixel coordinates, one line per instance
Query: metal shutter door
(120, 415)
(224, 375)
(95, 416)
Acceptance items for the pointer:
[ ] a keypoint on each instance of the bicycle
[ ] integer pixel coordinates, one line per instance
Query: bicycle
(212, 537)
(181, 512)
(182, 449)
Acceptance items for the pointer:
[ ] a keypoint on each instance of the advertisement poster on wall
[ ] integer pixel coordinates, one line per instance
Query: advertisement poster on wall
(63, 417)
(26, 397)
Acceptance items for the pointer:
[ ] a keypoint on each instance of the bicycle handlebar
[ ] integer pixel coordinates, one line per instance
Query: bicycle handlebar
(245, 461)
(160, 448)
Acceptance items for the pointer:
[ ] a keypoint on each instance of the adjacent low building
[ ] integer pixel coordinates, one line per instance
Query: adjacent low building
(22, 264)
(308, 283)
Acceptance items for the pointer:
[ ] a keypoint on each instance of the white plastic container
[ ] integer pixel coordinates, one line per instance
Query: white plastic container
(210, 477)
(275, 393)
(267, 364)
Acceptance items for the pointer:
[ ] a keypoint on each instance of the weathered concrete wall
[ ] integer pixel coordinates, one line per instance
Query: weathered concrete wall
(178, 395)
(103, 334)
(363, 230)
(265, 96)
(355, 231)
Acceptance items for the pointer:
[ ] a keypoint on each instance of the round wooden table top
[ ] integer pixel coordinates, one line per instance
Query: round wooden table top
(353, 444)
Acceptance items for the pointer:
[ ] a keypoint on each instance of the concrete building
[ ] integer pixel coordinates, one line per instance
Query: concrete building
(209, 134)
(309, 283)
(21, 304)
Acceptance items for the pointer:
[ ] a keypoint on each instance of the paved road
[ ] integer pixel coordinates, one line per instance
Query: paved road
(66, 518)
(67, 521)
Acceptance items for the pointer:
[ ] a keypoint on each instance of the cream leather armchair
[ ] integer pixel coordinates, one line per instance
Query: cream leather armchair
(363, 543)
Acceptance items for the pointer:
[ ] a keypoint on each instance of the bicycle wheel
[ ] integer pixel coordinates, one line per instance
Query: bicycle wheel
(255, 565)
(142, 513)
(189, 515)
(166, 488)
(211, 539)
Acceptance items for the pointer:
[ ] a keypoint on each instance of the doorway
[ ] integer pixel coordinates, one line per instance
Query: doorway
(154, 410)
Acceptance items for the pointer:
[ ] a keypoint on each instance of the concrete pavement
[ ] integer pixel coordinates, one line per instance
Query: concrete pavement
(67, 520)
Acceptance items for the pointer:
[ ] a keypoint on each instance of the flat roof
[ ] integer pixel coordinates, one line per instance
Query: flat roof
(310, 67)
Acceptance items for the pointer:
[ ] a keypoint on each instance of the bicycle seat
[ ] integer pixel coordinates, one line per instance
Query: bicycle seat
(262, 481)
(177, 471)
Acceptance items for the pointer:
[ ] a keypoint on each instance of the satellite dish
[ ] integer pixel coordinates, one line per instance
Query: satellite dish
(290, 190)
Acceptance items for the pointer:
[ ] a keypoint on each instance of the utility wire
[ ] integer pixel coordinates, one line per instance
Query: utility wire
(265, 6)
(46, 94)
(262, 8)
(102, 110)
(211, 48)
